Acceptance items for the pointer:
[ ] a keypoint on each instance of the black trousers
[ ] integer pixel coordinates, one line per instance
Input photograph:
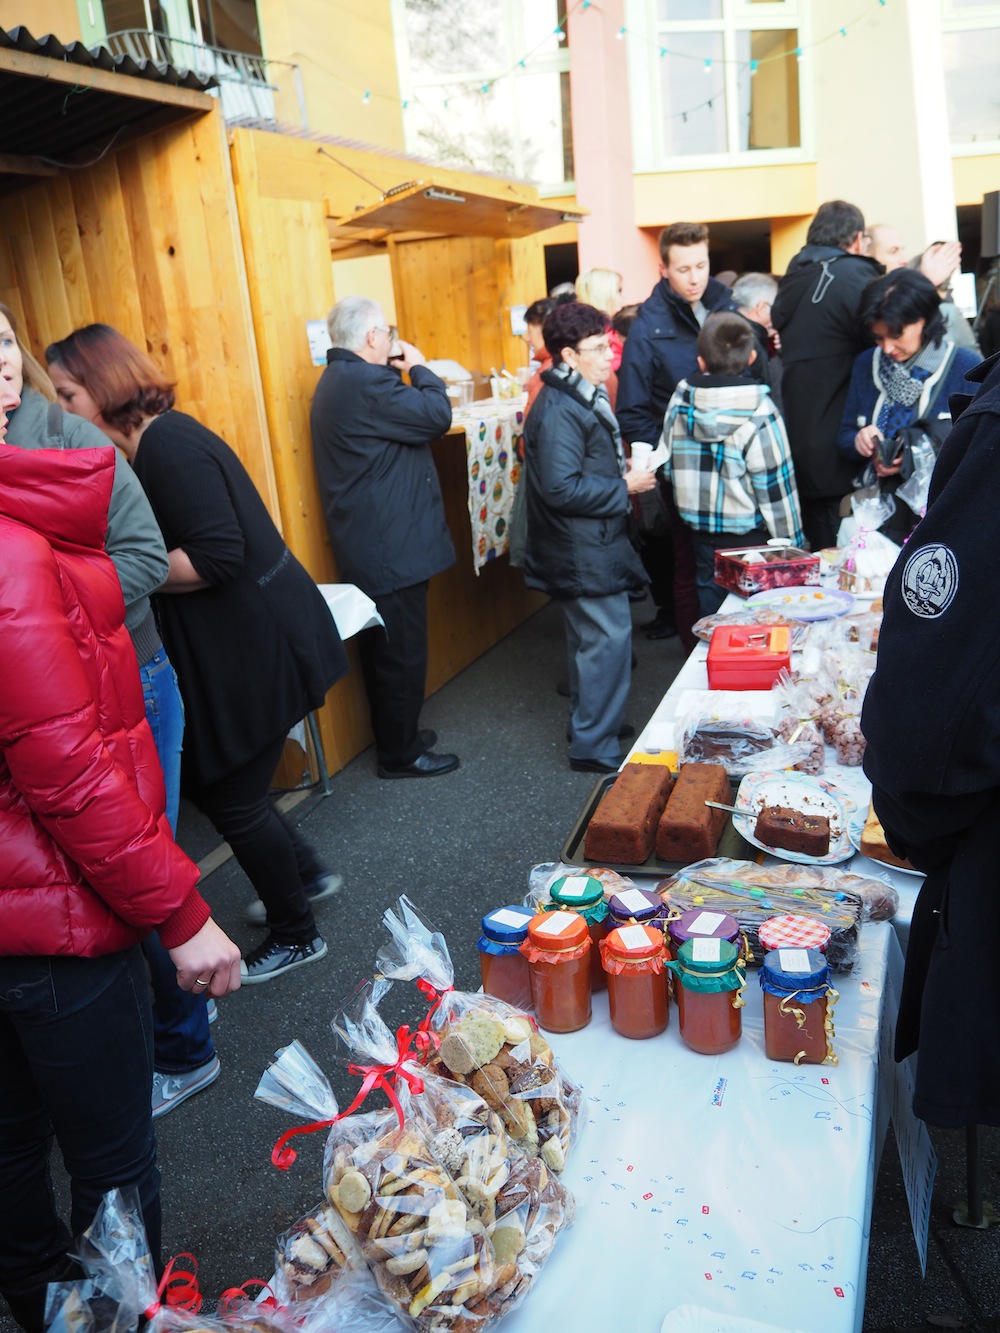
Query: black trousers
(274, 857)
(821, 520)
(394, 664)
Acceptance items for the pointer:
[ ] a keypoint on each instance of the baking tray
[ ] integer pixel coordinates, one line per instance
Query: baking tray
(731, 843)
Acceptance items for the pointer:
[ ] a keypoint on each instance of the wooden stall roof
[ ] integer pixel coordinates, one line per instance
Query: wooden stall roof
(66, 105)
(433, 209)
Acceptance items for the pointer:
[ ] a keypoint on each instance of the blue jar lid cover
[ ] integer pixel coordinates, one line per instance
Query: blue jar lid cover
(794, 970)
(507, 925)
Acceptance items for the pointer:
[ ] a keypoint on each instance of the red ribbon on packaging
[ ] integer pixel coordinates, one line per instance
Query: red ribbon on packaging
(178, 1287)
(374, 1076)
(232, 1295)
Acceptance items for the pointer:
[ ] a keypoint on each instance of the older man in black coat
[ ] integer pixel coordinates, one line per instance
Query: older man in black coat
(371, 437)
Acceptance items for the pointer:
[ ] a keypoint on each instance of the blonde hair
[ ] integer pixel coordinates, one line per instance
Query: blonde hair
(600, 287)
(34, 374)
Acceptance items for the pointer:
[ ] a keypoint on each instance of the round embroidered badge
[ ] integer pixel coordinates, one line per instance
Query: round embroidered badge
(930, 581)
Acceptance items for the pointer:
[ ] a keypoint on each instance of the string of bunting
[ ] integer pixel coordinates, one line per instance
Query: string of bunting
(463, 87)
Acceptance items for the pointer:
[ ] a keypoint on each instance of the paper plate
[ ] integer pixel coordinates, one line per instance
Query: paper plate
(805, 603)
(855, 827)
(801, 792)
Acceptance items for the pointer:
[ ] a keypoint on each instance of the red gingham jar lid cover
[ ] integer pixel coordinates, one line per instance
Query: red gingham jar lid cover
(800, 932)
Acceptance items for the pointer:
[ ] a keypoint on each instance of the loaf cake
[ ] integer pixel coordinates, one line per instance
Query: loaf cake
(689, 830)
(873, 843)
(622, 829)
(793, 830)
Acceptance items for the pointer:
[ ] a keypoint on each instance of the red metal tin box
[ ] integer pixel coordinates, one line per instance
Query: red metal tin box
(748, 657)
(749, 569)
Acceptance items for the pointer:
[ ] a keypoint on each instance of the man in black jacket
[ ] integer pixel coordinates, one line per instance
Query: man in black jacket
(385, 514)
(817, 315)
(932, 722)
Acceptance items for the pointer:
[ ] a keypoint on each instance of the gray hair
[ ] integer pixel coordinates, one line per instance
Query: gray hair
(750, 289)
(351, 319)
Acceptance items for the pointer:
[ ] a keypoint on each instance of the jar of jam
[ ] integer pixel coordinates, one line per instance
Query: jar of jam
(636, 907)
(584, 894)
(634, 959)
(504, 967)
(798, 1005)
(794, 932)
(558, 951)
(703, 923)
(710, 978)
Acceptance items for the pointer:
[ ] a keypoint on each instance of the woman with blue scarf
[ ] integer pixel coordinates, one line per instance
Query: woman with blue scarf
(903, 382)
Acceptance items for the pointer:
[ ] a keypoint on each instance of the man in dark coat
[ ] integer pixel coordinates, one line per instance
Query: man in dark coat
(932, 721)
(660, 351)
(817, 315)
(382, 499)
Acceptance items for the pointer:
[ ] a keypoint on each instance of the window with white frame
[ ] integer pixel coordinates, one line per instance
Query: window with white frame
(714, 79)
(970, 50)
(231, 25)
(485, 85)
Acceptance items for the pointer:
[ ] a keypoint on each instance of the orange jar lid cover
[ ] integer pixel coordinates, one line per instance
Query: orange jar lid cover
(634, 942)
(556, 931)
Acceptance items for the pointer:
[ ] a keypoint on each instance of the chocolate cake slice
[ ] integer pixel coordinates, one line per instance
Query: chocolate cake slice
(793, 830)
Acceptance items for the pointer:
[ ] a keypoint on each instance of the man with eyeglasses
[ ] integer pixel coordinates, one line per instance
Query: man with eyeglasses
(371, 436)
(578, 549)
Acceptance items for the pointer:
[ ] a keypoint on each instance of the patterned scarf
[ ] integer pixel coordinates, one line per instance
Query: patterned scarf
(903, 383)
(595, 396)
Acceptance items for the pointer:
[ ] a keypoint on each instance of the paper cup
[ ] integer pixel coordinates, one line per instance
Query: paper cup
(641, 454)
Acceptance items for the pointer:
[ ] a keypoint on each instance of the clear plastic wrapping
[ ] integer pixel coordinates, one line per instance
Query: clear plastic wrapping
(753, 893)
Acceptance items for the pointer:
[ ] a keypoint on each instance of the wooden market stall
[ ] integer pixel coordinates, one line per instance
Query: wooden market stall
(213, 247)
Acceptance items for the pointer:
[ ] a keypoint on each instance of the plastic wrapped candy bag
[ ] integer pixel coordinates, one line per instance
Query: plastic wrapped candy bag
(484, 1042)
(868, 555)
(799, 723)
(513, 1198)
(543, 876)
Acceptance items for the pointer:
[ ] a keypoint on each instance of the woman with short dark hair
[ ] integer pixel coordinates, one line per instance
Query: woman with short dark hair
(578, 546)
(250, 636)
(905, 380)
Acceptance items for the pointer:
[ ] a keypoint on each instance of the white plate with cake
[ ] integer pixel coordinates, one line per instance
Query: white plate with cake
(789, 813)
(868, 837)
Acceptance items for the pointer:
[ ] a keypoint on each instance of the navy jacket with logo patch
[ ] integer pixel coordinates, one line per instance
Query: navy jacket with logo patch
(932, 711)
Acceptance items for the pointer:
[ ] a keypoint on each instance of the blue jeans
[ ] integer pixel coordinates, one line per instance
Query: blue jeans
(181, 1038)
(77, 1060)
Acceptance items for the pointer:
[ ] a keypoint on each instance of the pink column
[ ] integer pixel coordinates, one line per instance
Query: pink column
(602, 150)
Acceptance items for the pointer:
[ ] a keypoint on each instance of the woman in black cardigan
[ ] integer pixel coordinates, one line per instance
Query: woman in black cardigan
(251, 639)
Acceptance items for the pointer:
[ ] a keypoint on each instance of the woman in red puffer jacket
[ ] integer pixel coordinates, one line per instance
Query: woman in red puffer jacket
(87, 868)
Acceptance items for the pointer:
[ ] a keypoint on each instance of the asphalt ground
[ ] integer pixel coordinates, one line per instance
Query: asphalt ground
(457, 846)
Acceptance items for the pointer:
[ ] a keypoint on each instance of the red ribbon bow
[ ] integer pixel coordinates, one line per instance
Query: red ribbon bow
(374, 1076)
(178, 1287)
(229, 1298)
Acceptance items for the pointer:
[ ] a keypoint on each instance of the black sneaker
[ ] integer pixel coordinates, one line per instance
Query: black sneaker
(328, 884)
(273, 959)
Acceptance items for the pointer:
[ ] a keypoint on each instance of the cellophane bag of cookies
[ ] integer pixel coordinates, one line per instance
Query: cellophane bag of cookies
(515, 1200)
(485, 1043)
(798, 722)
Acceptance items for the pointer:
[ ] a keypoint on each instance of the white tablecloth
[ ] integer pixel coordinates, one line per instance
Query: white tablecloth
(730, 1183)
(716, 1190)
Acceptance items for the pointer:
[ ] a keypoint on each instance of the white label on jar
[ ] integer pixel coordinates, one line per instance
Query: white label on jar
(505, 917)
(557, 923)
(706, 923)
(634, 900)
(633, 937)
(575, 886)
(793, 960)
(706, 949)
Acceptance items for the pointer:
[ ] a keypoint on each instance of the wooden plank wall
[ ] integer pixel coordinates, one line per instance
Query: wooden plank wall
(147, 240)
(285, 190)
